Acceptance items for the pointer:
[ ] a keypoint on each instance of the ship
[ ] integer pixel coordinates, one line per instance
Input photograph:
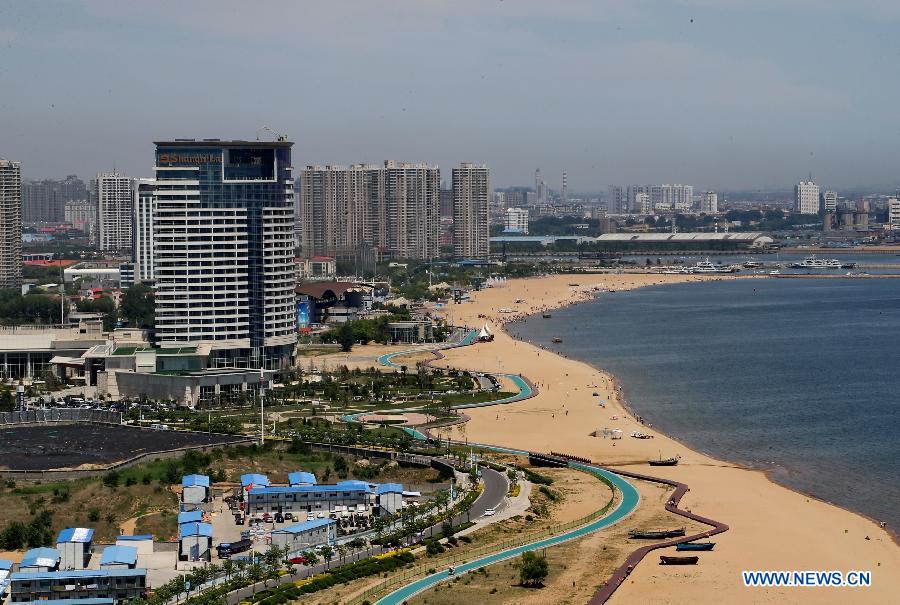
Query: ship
(705, 266)
(811, 262)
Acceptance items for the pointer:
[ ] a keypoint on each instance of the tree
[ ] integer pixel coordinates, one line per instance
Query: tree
(137, 306)
(346, 337)
(533, 570)
(327, 553)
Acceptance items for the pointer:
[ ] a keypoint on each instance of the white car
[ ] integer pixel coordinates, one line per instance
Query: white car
(489, 512)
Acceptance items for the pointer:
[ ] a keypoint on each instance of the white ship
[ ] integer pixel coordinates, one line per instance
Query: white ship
(811, 262)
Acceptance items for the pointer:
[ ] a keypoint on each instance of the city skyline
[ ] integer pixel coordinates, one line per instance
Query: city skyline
(611, 93)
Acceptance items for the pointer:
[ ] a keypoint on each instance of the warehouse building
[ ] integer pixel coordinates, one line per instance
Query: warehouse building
(40, 559)
(303, 536)
(195, 541)
(121, 585)
(194, 489)
(119, 557)
(696, 240)
(75, 547)
(301, 478)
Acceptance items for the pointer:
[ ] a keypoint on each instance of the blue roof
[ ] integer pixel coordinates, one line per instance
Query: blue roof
(119, 554)
(353, 484)
(195, 529)
(301, 477)
(192, 480)
(77, 573)
(194, 516)
(254, 479)
(299, 528)
(4, 564)
(358, 486)
(389, 488)
(75, 534)
(40, 557)
(137, 538)
(73, 602)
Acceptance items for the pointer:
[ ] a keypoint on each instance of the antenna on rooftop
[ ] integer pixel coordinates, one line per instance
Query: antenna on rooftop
(278, 136)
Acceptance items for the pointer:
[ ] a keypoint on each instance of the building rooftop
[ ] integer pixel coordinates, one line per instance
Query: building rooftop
(389, 488)
(254, 479)
(72, 602)
(299, 528)
(220, 143)
(296, 489)
(301, 477)
(75, 534)
(195, 529)
(194, 516)
(195, 480)
(121, 555)
(137, 538)
(77, 573)
(40, 557)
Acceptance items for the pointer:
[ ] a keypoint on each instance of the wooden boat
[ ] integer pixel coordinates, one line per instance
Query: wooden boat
(557, 339)
(663, 462)
(664, 560)
(695, 546)
(655, 535)
(546, 316)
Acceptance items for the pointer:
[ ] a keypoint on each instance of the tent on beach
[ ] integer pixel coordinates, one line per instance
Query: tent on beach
(485, 335)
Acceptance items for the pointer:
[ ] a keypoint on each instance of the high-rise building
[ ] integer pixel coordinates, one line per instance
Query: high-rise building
(806, 197)
(82, 214)
(540, 187)
(617, 203)
(632, 204)
(446, 202)
(142, 253)
(565, 188)
(45, 201)
(516, 221)
(115, 208)
(642, 203)
(893, 207)
(223, 256)
(471, 193)
(395, 207)
(829, 201)
(10, 224)
(709, 202)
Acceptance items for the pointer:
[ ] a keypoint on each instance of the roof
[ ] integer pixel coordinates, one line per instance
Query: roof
(4, 564)
(195, 480)
(299, 528)
(329, 289)
(301, 477)
(195, 529)
(77, 573)
(254, 479)
(297, 489)
(194, 516)
(322, 259)
(681, 237)
(119, 554)
(140, 537)
(40, 557)
(75, 534)
(74, 602)
(218, 143)
(389, 488)
(352, 484)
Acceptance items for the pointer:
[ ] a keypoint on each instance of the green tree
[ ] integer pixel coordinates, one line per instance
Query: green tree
(346, 337)
(137, 306)
(533, 570)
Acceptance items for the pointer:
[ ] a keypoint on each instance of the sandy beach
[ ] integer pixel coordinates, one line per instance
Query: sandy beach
(772, 527)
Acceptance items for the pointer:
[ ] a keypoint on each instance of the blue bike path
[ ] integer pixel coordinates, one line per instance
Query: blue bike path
(630, 500)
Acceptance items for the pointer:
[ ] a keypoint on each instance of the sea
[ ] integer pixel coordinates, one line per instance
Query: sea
(799, 377)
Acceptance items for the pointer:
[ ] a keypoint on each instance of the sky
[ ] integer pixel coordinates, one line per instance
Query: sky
(722, 94)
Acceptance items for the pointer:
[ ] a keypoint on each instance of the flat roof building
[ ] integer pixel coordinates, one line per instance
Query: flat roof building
(40, 559)
(121, 585)
(302, 536)
(194, 489)
(195, 541)
(119, 557)
(75, 546)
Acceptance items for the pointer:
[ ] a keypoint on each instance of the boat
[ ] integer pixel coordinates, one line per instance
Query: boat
(705, 266)
(546, 316)
(775, 272)
(663, 462)
(655, 535)
(695, 546)
(640, 435)
(752, 264)
(557, 339)
(811, 262)
(691, 560)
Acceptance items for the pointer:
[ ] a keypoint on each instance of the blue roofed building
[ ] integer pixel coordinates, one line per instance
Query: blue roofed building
(389, 498)
(251, 480)
(301, 478)
(120, 585)
(5, 570)
(194, 516)
(303, 536)
(309, 498)
(75, 545)
(194, 489)
(119, 557)
(40, 559)
(195, 541)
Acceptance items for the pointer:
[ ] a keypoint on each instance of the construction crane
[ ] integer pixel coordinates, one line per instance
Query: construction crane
(278, 136)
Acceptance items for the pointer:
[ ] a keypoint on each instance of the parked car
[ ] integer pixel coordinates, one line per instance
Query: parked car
(279, 518)
(299, 560)
(267, 518)
(489, 512)
(288, 516)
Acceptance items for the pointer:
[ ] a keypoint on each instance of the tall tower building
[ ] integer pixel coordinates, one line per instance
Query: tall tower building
(115, 208)
(10, 224)
(540, 187)
(223, 250)
(709, 202)
(471, 195)
(642, 203)
(830, 201)
(616, 202)
(142, 245)
(806, 197)
(45, 201)
(565, 188)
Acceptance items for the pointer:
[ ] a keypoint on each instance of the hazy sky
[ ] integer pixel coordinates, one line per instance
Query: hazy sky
(715, 93)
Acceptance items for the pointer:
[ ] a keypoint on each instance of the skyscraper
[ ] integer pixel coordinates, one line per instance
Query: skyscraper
(10, 224)
(45, 201)
(830, 201)
(806, 197)
(565, 188)
(540, 187)
(223, 250)
(144, 204)
(471, 194)
(709, 202)
(642, 203)
(115, 207)
(616, 201)
(394, 207)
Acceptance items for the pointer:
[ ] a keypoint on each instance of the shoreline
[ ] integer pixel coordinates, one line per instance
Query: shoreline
(773, 526)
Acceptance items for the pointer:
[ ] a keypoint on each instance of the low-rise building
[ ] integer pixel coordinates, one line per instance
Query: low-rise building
(411, 331)
(40, 559)
(195, 541)
(120, 585)
(301, 478)
(75, 547)
(119, 557)
(194, 489)
(389, 497)
(309, 498)
(143, 543)
(302, 536)
(193, 516)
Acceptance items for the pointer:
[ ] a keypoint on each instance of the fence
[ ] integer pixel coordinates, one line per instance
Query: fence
(428, 568)
(43, 416)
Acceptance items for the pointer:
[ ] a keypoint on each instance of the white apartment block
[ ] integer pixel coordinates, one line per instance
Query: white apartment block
(830, 198)
(709, 202)
(517, 220)
(10, 224)
(893, 214)
(806, 197)
(115, 199)
(642, 203)
(144, 207)
(471, 194)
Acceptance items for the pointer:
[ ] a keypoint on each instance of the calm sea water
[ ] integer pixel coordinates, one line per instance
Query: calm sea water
(797, 376)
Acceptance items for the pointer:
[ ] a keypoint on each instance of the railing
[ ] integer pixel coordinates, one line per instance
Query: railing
(429, 568)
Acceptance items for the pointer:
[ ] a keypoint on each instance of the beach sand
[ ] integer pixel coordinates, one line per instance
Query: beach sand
(772, 527)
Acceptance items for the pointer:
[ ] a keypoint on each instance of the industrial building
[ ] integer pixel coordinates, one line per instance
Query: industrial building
(738, 239)
(195, 541)
(302, 536)
(119, 557)
(75, 546)
(142, 543)
(194, 489)
(121, 585)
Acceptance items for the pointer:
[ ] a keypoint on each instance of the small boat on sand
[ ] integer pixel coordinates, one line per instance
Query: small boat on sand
(655, 535)
(664, 462)
(557, 339)
(664, 560)
(695, 546)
